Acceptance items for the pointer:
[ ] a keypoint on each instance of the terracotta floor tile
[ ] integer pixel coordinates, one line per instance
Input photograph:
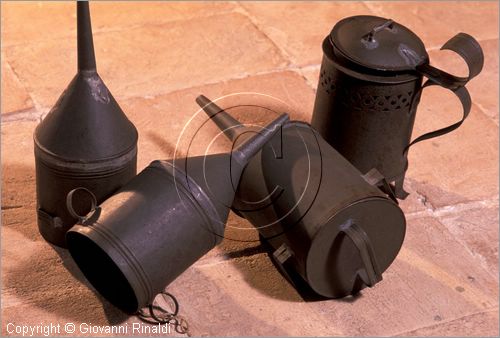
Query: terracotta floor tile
(457, 167)
(55, 292)
(25, 22)
(483, 324)
(477, 230)
(299, 28)
(245, 296)
(143, 61)
(18, 179)
(436, 22)
(161, 119)
(55, 282)
(15, 98)
(433, 279)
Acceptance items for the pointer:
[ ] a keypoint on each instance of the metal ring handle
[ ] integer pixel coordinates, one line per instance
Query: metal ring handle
(182, 326)
(69, 204)
(168, 315)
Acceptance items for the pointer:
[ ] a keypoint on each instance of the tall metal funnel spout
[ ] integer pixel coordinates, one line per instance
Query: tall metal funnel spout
(86, 56)
(228, 124)
(245, 151)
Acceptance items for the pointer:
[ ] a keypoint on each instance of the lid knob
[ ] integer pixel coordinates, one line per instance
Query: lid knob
(377, 44)
(369, 39)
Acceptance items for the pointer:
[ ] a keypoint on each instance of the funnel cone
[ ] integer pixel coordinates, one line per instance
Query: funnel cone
(218, 175)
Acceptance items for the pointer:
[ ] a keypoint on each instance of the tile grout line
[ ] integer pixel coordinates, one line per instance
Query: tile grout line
(405, 333)
(36, 106)
(284, 54)
(98, 31)
(484, 111)
(38, 111)
(448, 209)
(12, 116)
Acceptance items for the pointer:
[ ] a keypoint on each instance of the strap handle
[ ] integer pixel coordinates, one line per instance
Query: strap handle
(371, 274)
(470, 51)
(463, 95)
(375, 178)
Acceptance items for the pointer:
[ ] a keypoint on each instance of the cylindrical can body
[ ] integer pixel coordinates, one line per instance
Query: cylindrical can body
(368, 118)
(144, 236)
(55, 178)
(307, 197)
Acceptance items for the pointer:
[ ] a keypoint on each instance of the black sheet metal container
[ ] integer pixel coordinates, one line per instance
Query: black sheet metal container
(85, 141)
(324, 221)
(161, 222)
(369, 88)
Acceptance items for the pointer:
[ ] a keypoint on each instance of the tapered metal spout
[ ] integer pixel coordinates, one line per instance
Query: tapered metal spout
(228, 124)
(86, 56)
(246, 150)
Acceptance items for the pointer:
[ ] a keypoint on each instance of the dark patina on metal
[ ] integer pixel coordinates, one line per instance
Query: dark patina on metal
(85, 141)
(322, 219)
(369, 88)
(143, 237)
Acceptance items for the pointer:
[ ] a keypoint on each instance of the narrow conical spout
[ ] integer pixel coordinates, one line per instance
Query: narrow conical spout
(245, 151)
(228, 124)
(86, 56)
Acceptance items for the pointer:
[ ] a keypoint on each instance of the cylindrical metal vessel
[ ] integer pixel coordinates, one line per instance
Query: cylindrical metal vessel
(369, 88)
(144, 236)
(322, 218)
(85, 141)
(161, 222)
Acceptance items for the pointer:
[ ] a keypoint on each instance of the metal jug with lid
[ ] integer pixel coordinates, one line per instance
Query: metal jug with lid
(369, 88)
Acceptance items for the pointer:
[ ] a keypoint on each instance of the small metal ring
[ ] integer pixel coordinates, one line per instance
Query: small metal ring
(69, 203)
(168, 315)
(182, 325)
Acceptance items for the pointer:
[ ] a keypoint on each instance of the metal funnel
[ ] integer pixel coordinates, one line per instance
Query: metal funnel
(325, 223)
(160, 223)
(85, 141)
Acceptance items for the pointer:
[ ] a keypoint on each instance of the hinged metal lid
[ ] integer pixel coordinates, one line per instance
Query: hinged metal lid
(378, 43)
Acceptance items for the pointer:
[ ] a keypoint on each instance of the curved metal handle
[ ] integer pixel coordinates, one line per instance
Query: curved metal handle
(470, 51)
(463, 95)
(71, 210)
(362, 242)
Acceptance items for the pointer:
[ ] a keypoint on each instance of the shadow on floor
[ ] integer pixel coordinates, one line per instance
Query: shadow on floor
(49, 278)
